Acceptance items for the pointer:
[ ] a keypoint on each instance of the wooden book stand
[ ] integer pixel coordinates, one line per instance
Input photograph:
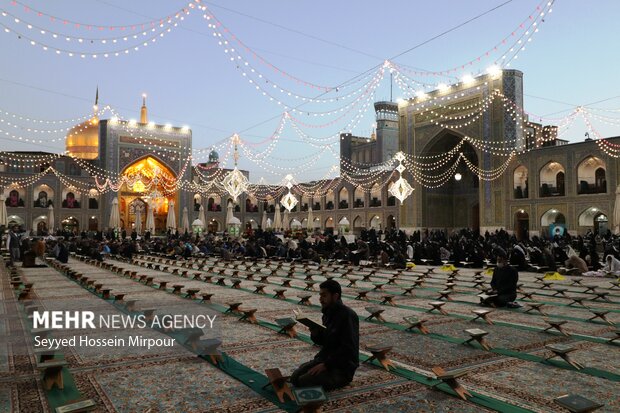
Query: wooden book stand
(557, 324)
(130, 305)
(211, 348)
(418, 283)
(287, 326)
(408, 290)
(362, 295)
(206, 297)
(478, 283)
(375, 312)
(279, 384)
(378, 287)
(563, 351)
(177, 289)
(547, 285)
(191, 293)
(44, 354)
(388, 300)
(445, 294)
(577, 300)
(380, 354)
(437, 305)
(259, 289)
(193, 338)
(601, 295)
(249, 315)
(478, 335)
(600, 314)
(52, 373)
(528, 294)
(304, 299)
(535, 307)
(450, 379)
(483, 314)
(418, 323)
(280, 294)
(149, 313)
(233, 308)
(310, 286)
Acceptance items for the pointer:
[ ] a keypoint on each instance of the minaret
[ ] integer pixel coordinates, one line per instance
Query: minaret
(387, 130)
(143, 116)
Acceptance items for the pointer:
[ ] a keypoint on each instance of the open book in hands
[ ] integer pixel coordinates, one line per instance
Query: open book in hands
(303, 319)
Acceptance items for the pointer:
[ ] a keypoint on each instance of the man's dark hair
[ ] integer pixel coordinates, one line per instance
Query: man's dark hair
(332, 286)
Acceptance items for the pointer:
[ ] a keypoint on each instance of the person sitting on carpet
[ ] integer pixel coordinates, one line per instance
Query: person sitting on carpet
(575, 265)
(612, 267)
(503, 283)
(335, 365)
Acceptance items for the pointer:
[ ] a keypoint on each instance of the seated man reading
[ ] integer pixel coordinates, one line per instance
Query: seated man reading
(503, 284)
(335, 365)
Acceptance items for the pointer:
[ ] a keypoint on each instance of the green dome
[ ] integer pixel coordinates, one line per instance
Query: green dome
(213, 156)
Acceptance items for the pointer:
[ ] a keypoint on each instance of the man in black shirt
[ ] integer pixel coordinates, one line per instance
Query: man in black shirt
(503, 283)
(335, 365)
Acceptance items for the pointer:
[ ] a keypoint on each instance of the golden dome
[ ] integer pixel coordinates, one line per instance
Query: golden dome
(83, 139)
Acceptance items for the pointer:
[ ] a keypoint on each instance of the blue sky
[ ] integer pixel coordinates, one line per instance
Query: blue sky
(189, 80)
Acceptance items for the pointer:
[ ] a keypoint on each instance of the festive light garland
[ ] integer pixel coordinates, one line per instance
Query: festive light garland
(142, 43)
(125, 37)
(89, 26)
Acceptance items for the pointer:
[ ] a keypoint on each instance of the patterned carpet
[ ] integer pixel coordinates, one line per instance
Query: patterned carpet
(174, 379)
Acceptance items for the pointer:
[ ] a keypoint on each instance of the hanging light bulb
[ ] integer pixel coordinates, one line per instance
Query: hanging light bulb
(401, 188)
(458, 176)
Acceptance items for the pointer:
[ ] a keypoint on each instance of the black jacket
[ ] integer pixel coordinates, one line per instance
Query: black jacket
(339, 339)
(504, 281)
